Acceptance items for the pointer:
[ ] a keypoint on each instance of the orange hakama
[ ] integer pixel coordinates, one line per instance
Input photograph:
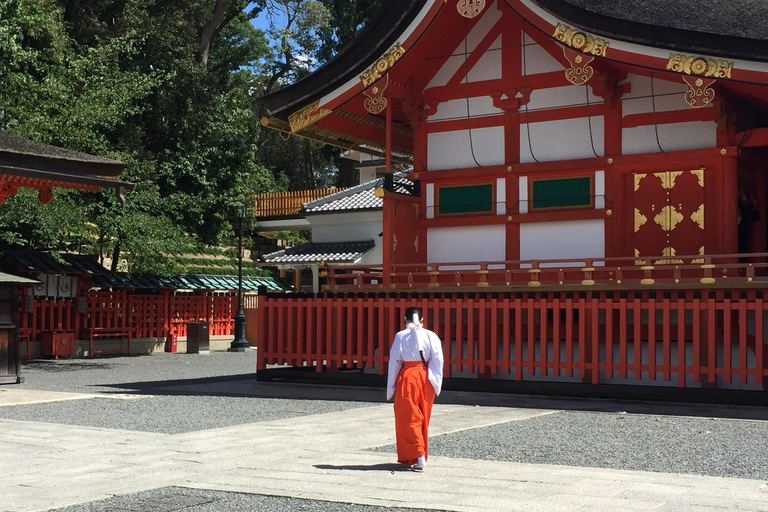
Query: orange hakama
(414, 397)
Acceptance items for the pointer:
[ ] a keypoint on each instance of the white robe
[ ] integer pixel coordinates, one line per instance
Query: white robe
(406, 347)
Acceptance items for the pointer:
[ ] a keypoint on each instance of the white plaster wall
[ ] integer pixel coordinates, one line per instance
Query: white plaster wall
(562, 239)
(452, 150)
(672, 137)
(567, 96)
(349, 227)
(537, 60)
(667, 95)
(462, 244)
(489, 65)
(457, 109)
(522, 188)
(561, 140)
(501, 196)
(430, 200)
(599, 190)
(478, 32)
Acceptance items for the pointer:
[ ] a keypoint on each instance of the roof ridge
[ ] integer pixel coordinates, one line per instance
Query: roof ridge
(340, 194)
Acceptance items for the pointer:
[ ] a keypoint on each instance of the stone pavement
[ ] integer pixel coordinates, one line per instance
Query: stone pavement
(327, 457)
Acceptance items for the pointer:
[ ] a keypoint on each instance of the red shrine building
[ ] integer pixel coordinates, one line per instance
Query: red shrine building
(587, 201)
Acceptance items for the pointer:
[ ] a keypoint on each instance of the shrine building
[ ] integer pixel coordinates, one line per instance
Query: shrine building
(587, 201)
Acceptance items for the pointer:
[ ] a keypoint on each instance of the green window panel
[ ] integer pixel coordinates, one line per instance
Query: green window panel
(465, 199)
(562, 192)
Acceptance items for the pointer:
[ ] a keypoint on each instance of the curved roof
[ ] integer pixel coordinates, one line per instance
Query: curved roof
(378, 35)
(716, 28)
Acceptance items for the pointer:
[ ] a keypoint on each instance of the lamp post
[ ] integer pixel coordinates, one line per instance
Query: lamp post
(240, 344)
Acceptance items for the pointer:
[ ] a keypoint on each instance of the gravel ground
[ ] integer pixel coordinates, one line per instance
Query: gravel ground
(670, 444)
(173, 393)
(133, 372)
(170, 499)
(173, 414)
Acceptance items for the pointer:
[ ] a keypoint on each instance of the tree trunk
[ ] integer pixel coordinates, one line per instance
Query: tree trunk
(115, 257)
(219, 19)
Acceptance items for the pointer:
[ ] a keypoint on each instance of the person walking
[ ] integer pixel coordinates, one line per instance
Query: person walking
(415, 377)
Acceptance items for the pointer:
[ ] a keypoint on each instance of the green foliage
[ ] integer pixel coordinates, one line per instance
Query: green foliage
(135, 81)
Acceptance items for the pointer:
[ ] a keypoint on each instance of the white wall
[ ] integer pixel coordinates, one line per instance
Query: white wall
(349, 227)
(466, 244)
(562, 139)
(672, 137)
(667, 95)
(562, 239)
(457, 109)
(452, 150)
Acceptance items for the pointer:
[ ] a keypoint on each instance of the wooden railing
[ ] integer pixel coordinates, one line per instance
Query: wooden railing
(685, 338)
(282, 204)
(145, 316)
(620, 273)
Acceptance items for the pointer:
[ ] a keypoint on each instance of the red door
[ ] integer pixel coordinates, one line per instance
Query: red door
(669, 214)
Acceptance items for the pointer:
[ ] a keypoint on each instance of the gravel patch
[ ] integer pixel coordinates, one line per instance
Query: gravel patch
(171, 414)
(669, 444)
(133, 372)
(174, 393)
(170, 499)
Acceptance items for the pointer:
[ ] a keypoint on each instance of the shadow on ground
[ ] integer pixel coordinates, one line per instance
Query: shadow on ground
(246, 385)
(391, 467)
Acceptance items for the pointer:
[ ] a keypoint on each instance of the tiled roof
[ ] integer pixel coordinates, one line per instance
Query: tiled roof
(360, 197)
(13, 144)
(337, 252)
(11, 278)
(45, 263)
(185, 282)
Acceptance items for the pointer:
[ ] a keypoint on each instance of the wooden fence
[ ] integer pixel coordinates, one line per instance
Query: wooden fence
(145, 316)
(692, 338)
(282, 204)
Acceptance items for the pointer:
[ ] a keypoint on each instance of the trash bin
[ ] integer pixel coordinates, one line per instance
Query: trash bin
(197, 337)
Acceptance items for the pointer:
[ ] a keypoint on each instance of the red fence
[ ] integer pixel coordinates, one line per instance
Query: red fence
(675, 338)
(146, 316)
(673, 271)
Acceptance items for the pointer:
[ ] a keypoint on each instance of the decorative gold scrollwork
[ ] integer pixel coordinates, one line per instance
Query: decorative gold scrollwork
(637, 178)
(692, 65)
(581, 41)
(698, 216)
(375, 102)
(637, 255)
(306, 116)
(668, 178)
(382, 65)
(701, 253)
(580, 71)
(699, 93)
(699, 173)
(470, 8)
(669, 251)
(668, 218)
(640, 219)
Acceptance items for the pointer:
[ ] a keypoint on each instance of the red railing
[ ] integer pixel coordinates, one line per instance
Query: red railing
(673, 271)
(691, 338)
(145, 316)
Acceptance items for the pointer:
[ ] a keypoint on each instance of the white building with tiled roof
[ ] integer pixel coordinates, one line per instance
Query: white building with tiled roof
(346, 229)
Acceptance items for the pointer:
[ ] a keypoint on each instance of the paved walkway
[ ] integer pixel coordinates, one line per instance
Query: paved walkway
(326, 457)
